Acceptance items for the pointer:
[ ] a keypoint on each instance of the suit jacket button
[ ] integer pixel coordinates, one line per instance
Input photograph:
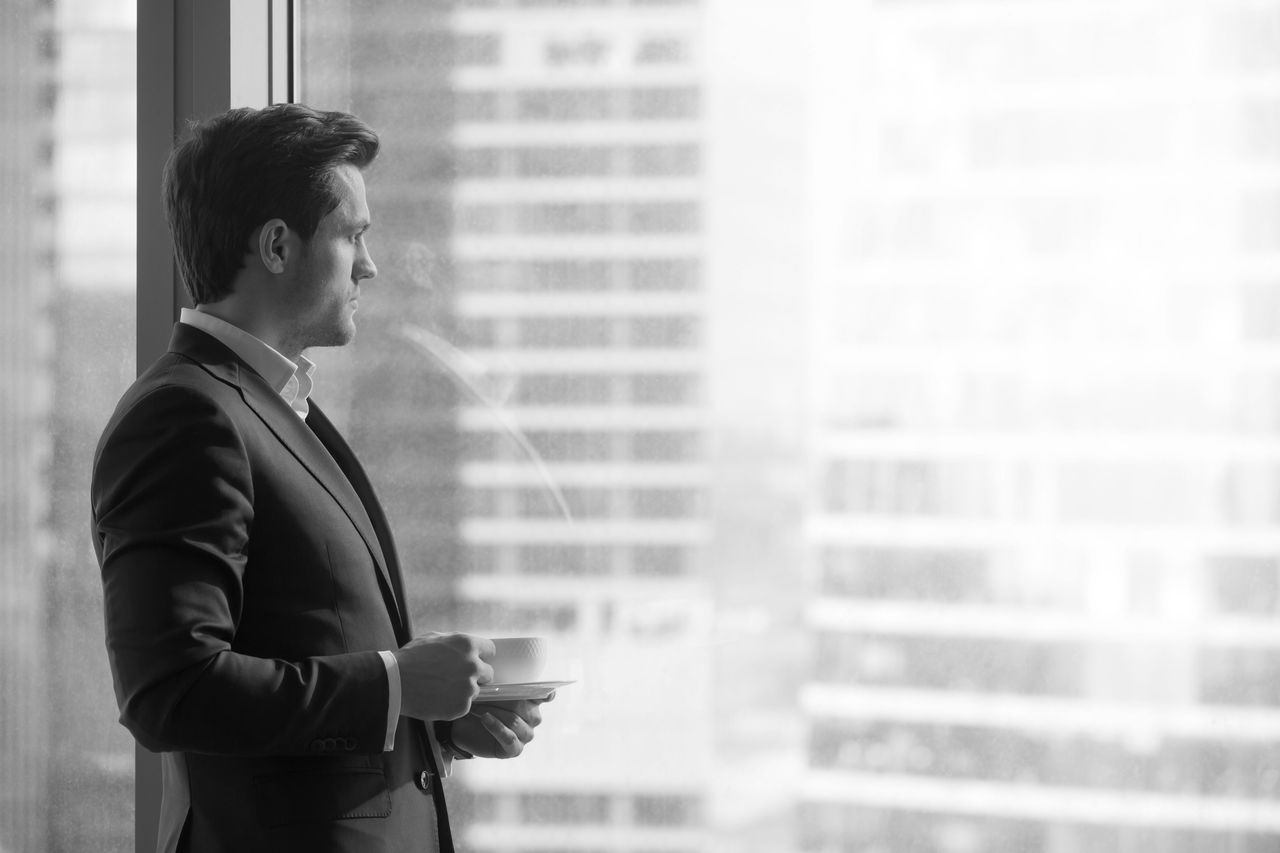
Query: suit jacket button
(424, 780)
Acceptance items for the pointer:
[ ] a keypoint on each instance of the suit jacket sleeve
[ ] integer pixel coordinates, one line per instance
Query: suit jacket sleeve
(173, 510)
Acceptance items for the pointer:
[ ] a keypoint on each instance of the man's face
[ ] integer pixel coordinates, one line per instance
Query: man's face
(332, 264)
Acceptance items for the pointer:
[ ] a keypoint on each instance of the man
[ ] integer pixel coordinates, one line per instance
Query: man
(256, 621)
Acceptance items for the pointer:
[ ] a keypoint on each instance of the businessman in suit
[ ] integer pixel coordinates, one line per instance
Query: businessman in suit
(256, 622)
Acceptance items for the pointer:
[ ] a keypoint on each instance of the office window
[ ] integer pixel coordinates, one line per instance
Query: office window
(668, 217)
(565, 218)
(665, 160)
(548, 389)
(559, 105)
(67, 351)
(663, 389)
(664, 332)
(887, 389)
(665, 446)
(563, 162)
(664, 274)
(560, 332)
(565, 808)
(659, 560)
(666, 810)
(664, 104)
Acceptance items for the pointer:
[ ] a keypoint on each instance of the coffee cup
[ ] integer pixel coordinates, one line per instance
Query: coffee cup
(518, 660)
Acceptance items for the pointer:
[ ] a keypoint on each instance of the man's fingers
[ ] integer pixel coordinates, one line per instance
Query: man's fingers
(484, 673)
(510, 742)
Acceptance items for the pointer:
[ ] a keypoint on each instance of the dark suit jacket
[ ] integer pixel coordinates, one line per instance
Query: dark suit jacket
(249, 581)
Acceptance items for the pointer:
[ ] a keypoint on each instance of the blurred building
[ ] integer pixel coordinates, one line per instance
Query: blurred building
(538, 208)
(67, 109)
(91, 356)
(26, 203)
(1043, 540)
(579, 274)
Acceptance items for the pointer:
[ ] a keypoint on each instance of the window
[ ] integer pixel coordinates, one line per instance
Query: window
(939, 355)
(67, 350)
(557, 332)
(566, 161)
(565, 105)
(665, 160)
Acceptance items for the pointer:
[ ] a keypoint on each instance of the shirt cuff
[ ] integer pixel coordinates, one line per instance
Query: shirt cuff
(393, 698)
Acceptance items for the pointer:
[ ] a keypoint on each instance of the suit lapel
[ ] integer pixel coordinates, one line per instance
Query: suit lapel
(359, 480)
(310, 450)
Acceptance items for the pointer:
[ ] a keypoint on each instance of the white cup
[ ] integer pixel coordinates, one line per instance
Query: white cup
(518, 660)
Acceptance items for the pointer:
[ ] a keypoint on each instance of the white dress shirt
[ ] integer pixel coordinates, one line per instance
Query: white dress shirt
(293, 382)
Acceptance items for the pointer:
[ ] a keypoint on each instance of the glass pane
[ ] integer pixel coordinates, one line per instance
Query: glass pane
(871, 401)
(67, 107)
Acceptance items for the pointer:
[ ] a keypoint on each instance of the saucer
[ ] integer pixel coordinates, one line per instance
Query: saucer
(515, 692)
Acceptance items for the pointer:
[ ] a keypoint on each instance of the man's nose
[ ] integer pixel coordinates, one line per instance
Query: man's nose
(365, 268)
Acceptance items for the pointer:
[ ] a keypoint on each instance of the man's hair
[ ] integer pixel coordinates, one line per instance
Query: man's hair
(244, 167)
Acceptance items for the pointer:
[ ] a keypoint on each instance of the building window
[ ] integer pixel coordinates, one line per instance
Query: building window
(913, 574)
(565, 218)
(564, 332)
(557, 105)
(574, 445)
(666, 446)
(558, 559)
(564, 161)
(1244, 584)
(676, 274)
(660, 389)
(663, 217)
(660, 561)
(663, 332)
(565, 808)
(665, 160)
(662, 51)
(666, 503)
(564, 389)
(664, 104)
(667, 810)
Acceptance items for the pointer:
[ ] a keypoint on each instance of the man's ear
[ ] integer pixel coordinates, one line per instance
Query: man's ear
(274, 245)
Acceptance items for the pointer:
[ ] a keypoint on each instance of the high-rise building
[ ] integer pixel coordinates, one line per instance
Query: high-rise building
(66, 352)
(91, 360)
(598, 207)
(26, 84)
(580, 270)
(1043, 536)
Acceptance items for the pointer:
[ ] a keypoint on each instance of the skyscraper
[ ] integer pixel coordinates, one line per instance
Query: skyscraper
(26, 83)
(560, 148)
(1043, 542)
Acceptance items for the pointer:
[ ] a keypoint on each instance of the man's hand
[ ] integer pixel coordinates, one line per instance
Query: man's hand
(441, 673)
(498, 729)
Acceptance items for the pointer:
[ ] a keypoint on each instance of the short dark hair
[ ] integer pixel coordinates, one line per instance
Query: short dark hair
(244, 167)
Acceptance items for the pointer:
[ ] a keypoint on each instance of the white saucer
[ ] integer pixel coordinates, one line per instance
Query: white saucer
(515, 692)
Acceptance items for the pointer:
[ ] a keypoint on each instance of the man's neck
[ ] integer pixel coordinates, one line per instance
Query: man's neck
(252, 321)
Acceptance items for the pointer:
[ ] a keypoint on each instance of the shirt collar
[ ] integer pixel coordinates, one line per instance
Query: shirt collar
(292, 381)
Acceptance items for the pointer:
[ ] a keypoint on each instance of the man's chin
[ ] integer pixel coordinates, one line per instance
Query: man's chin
(336, 337)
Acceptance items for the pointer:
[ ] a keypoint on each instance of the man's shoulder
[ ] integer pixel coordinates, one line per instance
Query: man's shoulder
(178, 375)
(176, 388)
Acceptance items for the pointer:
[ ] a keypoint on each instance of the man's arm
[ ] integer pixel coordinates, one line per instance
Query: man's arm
(172, 501)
